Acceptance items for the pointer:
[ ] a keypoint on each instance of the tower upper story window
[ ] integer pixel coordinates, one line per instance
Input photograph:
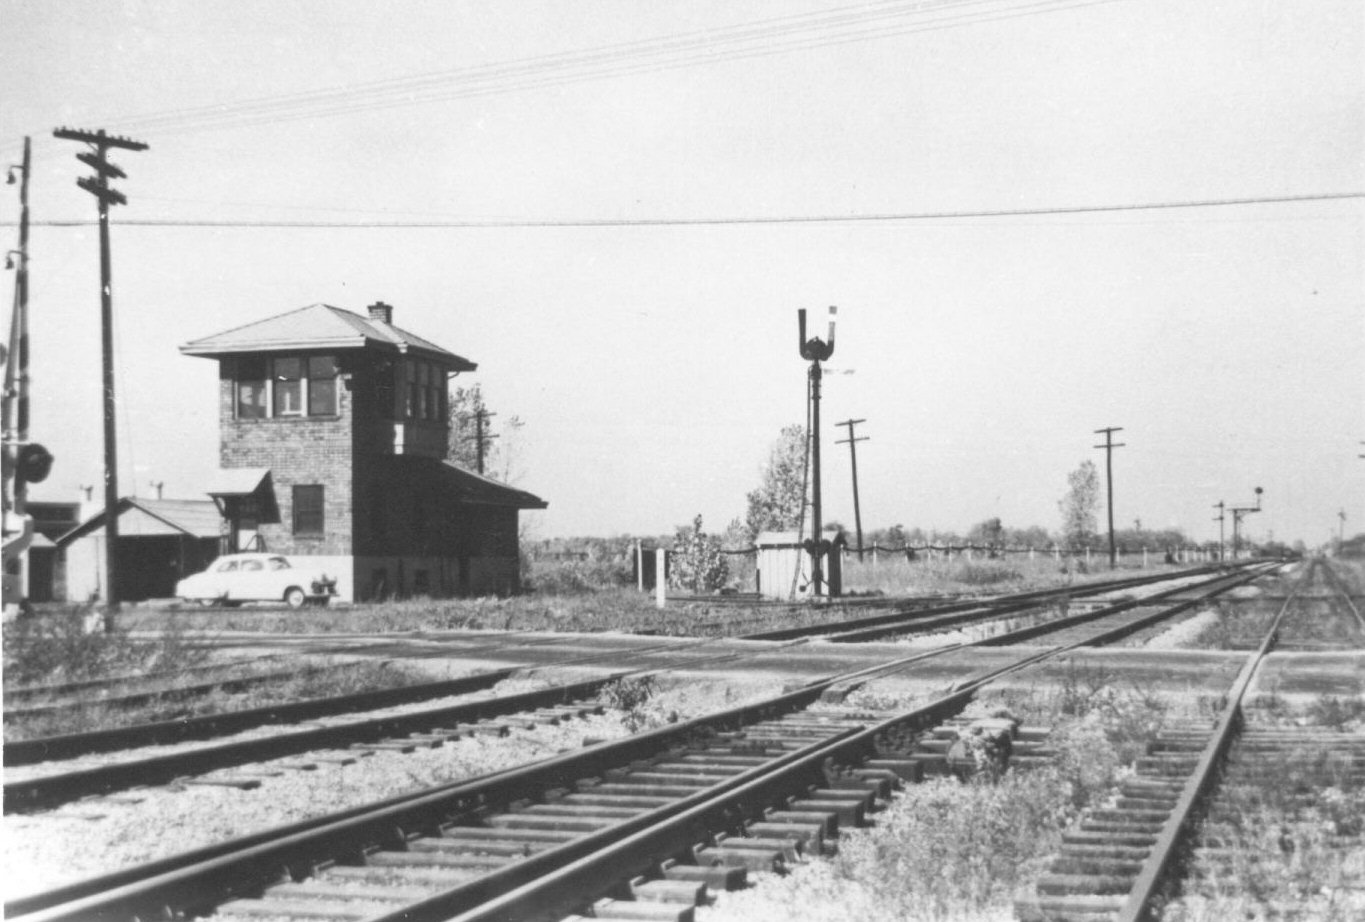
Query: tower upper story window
(425, 396)
(288, 382)
(251, 390)
(322, 385)
(287, 386)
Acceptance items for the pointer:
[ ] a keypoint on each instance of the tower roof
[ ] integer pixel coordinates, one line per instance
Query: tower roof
(321, 326)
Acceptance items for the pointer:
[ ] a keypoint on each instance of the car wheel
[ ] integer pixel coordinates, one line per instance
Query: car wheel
(294, 597)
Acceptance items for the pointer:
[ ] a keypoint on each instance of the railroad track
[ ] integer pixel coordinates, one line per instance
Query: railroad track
(405, 732)
(173, 693)
(1124, 861)
(696, 803)
(955, 614)
(67, 746)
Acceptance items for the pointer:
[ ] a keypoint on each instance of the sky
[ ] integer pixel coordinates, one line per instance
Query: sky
(616, 209)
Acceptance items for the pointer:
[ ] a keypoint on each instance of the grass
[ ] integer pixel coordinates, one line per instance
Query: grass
(57, 649)
(960, 851)
(1294, 842)
(67, 653)
(894, 575)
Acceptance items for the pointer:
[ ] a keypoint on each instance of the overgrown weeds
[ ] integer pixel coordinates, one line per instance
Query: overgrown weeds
(635, 697)
(58, 648)
(305, 683)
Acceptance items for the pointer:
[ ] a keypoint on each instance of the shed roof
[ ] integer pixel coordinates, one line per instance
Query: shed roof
(319, 326)
(476, 488)
(237, 481)
(143, 518)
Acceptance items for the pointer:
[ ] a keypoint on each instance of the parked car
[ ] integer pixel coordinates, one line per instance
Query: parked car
(236, 578)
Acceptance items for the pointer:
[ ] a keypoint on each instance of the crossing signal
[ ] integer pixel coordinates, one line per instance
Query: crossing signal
(33, 463)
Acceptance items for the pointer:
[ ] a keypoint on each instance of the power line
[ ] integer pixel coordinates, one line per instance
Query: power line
(886, 217)
(759, 38)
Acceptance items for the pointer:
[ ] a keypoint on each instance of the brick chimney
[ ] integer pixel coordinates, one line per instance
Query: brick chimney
(381, 312)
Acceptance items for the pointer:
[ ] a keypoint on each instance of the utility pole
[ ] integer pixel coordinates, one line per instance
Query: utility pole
(815, 351)
(98, 186)
(852, 443)
(1109, 446)
(480, 439)
(1219, 519)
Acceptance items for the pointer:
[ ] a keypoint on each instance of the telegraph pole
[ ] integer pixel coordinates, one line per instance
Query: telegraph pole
(853, 456)
(1219, 519)
(1109, 446)
(815, 350)
(480, 439)
(98, 186)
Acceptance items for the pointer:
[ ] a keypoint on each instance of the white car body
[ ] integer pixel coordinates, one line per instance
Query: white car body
(236, 578)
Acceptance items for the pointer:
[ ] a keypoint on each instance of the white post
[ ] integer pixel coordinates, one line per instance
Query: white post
(1087, 555)
(1144, 557)
(660, 568)
(639, 567)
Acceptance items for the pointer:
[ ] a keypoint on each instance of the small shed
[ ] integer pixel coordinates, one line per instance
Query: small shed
(784, 570)
(161, 541)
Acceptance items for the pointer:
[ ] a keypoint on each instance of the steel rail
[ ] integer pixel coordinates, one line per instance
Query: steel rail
(51, 790)
(529, 895)
(66, 746)
(577, 884)
(134, 894)
(175, 692)
(153, 888)
(1142, 896)
(1344, 590)
(1020, 634)
(1217, 585)
(988, 607)
(66, 688)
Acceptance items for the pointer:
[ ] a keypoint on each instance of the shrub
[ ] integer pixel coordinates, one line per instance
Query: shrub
(634, 696)
(698, 564)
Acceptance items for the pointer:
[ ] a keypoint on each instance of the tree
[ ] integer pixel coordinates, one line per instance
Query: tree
(990, 534)
(697, 564)
(780, 500)
(1079, 504)
(499, 449)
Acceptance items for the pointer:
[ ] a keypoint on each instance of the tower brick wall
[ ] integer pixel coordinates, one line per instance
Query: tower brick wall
(298, 452)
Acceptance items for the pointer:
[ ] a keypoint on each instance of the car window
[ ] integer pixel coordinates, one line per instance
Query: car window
(278, 563)
(251, 565)
(227, 566)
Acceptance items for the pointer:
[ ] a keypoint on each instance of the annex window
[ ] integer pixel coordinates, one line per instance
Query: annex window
(251, 399)
(308, 517)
